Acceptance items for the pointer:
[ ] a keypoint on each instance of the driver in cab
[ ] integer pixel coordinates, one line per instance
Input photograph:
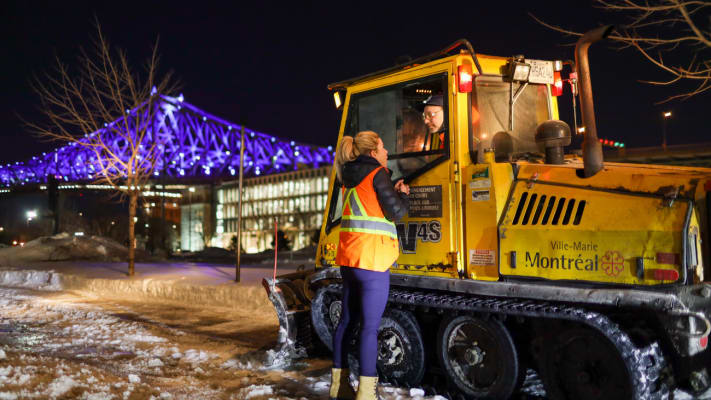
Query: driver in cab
(433, 115)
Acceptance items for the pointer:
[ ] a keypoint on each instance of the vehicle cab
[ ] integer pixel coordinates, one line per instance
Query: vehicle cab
(488, 102)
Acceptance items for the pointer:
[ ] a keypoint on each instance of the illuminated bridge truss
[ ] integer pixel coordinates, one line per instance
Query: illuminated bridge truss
(191, 144)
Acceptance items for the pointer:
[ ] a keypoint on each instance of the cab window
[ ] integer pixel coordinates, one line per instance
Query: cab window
(412, 126)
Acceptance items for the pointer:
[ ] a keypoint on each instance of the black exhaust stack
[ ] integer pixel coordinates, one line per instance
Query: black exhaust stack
(592, 149)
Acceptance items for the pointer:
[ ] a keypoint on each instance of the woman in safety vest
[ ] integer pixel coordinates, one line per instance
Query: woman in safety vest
(367, 248)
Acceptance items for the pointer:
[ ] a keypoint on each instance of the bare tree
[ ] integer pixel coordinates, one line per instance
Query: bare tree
(206, 232)
(108, 109)
(659, 28)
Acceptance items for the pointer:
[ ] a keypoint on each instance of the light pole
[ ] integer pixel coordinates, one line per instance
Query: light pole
(191, 190)
(666, 115)
(238, 265)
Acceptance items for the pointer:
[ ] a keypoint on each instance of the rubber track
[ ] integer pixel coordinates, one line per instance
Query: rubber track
(647, 363)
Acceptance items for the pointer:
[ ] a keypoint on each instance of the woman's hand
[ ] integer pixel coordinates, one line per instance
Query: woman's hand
(401, 187)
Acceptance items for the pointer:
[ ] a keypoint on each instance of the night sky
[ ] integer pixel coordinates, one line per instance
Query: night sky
(268, 65)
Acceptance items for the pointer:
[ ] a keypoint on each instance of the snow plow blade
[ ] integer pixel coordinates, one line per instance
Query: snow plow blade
(293, 310)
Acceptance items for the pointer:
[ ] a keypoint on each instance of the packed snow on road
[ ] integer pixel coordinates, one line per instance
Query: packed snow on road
(63, 344)
(158, 337)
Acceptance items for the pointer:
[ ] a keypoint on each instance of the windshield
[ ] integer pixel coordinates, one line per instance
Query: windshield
(490, 116)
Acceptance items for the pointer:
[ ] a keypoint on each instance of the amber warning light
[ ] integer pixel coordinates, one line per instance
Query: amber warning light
(465, 78)
(337, 99)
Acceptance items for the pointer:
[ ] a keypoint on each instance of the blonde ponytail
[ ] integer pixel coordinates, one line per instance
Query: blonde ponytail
(350, 148)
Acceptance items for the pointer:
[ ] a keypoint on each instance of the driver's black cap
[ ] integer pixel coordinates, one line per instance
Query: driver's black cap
(434, 100)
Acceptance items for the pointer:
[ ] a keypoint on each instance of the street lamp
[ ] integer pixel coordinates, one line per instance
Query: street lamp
(666, 115)
(32, 214)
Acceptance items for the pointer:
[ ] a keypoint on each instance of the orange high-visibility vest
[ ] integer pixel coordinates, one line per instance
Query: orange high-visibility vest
(367, 239)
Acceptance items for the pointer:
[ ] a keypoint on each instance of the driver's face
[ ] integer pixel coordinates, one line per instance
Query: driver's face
(434, 117)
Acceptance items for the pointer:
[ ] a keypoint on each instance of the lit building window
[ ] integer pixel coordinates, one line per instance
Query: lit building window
(297, 199)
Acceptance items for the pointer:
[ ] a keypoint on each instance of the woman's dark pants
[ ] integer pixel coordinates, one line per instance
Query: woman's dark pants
(365, 294)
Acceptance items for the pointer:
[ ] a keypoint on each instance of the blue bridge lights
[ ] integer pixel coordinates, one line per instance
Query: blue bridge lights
(184, 141)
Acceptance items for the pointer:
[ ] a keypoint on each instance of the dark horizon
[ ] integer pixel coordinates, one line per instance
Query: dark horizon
(268, 66)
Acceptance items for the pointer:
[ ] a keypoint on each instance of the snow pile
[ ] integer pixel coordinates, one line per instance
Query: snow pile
(249, 297)
(155, 363)
(49, 382)
(61, 385)
(14, 375)
(259, 361)
(196, 356)
(64, 247)
(274, 359)
(40, 280)
(255, 391)
(416, 392)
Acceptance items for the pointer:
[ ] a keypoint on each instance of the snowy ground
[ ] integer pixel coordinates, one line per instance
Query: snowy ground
(63, 344)
(155, 337)
(59, 345)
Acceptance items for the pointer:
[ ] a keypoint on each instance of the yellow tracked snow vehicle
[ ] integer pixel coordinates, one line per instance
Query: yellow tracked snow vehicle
(514, 255)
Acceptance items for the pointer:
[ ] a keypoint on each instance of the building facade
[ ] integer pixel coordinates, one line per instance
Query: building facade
(295, 199)
(196, 219)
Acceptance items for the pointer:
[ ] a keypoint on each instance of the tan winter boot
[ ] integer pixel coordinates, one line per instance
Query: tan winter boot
(340, 385)
(368, 388)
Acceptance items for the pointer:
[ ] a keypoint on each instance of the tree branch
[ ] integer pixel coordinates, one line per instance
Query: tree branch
(659, 18)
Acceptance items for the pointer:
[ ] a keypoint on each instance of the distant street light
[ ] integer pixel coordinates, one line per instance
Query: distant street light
(581, 130)
(32, 214)
(666, 115)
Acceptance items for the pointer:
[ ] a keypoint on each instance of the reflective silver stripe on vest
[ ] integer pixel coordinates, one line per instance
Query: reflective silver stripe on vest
(385, 227)
(354, 204)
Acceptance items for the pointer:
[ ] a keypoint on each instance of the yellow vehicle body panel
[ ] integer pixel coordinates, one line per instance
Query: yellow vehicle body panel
(560, 232)
(642, 178)
(486, 190)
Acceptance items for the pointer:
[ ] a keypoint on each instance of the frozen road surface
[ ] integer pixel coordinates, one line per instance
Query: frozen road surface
(58, 344)
(63, 346)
